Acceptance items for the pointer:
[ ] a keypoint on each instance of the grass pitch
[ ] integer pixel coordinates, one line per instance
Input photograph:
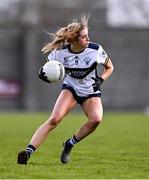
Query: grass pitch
(119, 148)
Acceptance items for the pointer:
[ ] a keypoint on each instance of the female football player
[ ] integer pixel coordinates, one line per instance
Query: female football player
(72, 47)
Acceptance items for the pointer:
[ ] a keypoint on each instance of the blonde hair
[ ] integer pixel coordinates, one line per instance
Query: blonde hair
(66, 35)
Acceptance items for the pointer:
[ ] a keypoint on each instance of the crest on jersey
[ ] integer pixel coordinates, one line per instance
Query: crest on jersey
(87, 60)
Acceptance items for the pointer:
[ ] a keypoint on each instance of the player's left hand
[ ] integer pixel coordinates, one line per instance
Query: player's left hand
(98, 82)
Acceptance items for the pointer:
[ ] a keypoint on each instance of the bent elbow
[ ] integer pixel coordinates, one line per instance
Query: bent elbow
(112, 68)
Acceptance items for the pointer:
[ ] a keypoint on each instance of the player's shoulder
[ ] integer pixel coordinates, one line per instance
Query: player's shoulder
(94, 46)
(63, 47)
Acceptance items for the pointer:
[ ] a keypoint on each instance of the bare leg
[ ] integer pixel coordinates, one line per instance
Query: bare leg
(93, 109)
(64, 104)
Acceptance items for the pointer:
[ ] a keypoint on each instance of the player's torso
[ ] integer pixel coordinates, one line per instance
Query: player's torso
(76, 60)
(77, 66)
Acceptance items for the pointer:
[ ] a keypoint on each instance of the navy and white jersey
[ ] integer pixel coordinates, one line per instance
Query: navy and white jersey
(80, 67)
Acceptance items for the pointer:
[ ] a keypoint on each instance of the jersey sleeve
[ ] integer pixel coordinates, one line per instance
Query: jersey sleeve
(101, 56)
(52, 55)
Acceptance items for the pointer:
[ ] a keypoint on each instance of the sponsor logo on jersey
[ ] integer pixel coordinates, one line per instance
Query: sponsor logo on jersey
(103, 54)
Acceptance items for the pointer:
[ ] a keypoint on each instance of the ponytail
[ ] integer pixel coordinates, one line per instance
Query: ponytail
(66, 35)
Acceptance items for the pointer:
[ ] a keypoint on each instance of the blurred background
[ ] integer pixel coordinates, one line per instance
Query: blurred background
(121, 26)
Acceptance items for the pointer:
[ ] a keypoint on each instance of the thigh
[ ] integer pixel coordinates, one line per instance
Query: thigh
(93, 108)
(65, 102)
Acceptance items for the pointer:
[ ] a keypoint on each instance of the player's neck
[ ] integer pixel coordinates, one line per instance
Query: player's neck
(76, 48)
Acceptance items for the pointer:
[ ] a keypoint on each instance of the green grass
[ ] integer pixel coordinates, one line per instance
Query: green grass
(119, 148)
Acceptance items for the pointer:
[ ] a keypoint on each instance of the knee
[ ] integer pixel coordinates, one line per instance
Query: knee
(96, 121)
(54, 121)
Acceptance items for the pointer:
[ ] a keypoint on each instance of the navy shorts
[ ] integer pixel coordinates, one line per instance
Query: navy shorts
(80, 100)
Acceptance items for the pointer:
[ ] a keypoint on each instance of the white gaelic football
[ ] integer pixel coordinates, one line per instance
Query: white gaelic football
(54, 71)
